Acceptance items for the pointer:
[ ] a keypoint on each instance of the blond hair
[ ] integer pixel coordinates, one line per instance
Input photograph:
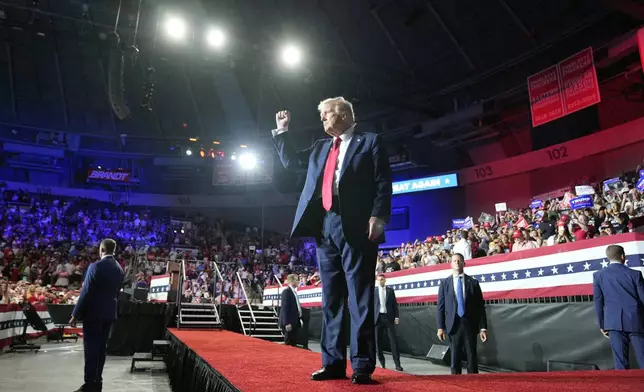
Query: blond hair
(292, 278)
(339, 105)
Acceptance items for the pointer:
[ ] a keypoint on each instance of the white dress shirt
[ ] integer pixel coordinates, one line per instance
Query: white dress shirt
(344, 145)
(382, 292)
(297, 301)
(463, 247)
(462, 276)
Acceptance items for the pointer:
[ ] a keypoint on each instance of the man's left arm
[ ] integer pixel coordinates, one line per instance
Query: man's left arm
(395, 300)
(382, 178)
(481, 308)
(87, 287)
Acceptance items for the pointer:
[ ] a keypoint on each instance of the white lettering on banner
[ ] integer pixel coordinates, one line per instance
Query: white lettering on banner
(43, 191)
(108, 175)
(402, 187)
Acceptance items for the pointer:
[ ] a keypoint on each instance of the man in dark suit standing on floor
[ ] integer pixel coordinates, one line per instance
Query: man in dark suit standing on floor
(290, 311)
(96, 308)
(461, 315)
(619, 304)
(345, 204)
(386, 310)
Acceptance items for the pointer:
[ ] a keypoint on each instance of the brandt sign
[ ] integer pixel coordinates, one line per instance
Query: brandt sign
(108, 175)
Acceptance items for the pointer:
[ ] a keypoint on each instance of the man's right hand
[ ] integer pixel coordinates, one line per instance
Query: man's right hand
(289, 328)
(282, 119)
(441, 334)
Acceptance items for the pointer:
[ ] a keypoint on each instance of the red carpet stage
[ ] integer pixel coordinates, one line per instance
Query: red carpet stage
(208, 361)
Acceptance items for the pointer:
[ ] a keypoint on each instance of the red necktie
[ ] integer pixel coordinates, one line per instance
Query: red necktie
(329, 171)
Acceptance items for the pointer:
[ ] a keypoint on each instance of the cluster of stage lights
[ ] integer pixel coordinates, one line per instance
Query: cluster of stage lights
(177, 29)
(246, 160)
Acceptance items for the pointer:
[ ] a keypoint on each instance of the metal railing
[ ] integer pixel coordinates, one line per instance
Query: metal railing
(182, 278)
(279, 298)
(241, 284)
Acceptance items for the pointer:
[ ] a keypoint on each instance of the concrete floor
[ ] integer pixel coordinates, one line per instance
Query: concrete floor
(58, 367)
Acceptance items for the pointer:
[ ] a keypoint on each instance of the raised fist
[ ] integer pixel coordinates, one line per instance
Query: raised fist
(282, 118)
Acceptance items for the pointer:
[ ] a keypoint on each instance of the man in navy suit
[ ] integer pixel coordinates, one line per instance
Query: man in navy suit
(461, 315)
(290, 311)
(619, 304)
(96, 307)
(386, 309)
(345, 204)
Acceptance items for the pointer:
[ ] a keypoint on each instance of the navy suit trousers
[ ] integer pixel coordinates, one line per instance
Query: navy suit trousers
(95, 336)
(619, 343)
(347, 274)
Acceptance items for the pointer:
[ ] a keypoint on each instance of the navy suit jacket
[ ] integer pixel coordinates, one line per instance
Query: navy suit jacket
(619, 298)
(364, 188)
(448, 306)
(101, 287)
(392, 303)
(288, 309)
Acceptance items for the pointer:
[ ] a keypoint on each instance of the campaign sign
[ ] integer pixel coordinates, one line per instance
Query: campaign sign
(582, 190)
(640, 185)
(612, 184)
(425, 184)
(458, 223)
(534, 204)
(539, 215)
(642, 173)
(581, 202)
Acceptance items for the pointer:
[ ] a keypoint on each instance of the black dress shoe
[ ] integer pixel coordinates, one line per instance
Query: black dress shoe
(399, 368)
(361, 378)
(90, 387)
(328, 374)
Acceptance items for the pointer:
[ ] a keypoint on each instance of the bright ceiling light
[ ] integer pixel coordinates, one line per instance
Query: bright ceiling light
(188, 152)
(248, 161)
(291, 56)
(176, 28)
(216, 38)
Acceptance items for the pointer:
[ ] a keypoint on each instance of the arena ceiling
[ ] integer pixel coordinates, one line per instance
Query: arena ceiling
(402, 62)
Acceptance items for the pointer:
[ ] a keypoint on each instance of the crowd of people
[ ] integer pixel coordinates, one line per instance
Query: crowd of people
(546, 222)
(47, 243)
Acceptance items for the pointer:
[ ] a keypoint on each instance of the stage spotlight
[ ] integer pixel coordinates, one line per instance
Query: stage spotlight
(248, 161)
(188, 152)
(212, 153)
(216, 38)
(176, 28)
(202, 153)
(291, 56)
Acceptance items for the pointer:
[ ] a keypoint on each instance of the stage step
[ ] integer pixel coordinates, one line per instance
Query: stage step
(201, 316)
(144, 357)
(196, 305)
(265, 325)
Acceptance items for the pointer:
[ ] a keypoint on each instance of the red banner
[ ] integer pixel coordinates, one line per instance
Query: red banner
(546, 102)
(108, 175)
(579, 81)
